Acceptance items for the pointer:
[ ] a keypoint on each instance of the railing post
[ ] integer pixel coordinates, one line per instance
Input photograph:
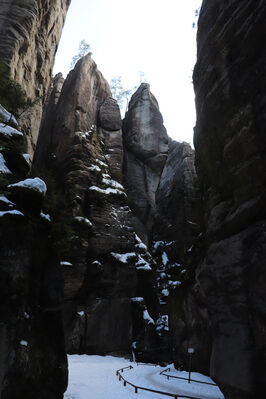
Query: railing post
(125, 383)
(168, 377)
(119, 377)
(136, 389)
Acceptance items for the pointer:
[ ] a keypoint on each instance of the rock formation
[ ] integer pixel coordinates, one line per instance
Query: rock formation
(230, 158)
(29, 40)
(177, 248)
(146, 147)
(32, 353)
(103, 262)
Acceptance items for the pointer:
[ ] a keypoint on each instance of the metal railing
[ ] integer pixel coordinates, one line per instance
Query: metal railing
(136, 387)
(184, 378)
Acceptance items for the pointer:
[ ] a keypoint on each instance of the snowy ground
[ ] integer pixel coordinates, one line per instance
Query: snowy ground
(95, 377)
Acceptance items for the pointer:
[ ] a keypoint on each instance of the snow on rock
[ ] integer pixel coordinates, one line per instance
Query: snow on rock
(35, 184)
(158, 244)
(83, 220)
(45, 216)
(101, 163)
(147, 317)
(9, 131)
(3, 168)
(174, 284)
(165, 259)
(65, 263)
(123, 258)
(7, 116)
(107, 191)
(141, 246)
(27, 158)
(141, 264)
(26, 315)
(96, 263)
(162, 324)
(165, 292)
(6, 201)
(24, 343)
(137, 299)
(14, 212)
(94, 168)
(112, 183)
(190, 249)
(81, 313)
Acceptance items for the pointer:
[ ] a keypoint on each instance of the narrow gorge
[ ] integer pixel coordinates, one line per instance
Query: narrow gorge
(116, 239)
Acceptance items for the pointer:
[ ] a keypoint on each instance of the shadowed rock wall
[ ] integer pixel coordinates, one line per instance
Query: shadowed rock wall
(29, 38)
(229, 78)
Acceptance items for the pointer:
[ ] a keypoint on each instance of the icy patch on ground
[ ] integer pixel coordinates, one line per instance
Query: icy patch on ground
(95, 377)
(35, 184)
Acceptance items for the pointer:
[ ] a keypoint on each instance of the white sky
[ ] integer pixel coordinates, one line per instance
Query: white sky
(152, 36)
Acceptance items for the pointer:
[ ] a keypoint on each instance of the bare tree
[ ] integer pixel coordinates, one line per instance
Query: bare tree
(84, 49)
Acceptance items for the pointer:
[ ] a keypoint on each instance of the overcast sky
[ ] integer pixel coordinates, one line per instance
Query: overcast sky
(152, 36)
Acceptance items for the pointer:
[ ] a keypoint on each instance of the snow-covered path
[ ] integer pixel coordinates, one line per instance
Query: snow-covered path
(94, 377)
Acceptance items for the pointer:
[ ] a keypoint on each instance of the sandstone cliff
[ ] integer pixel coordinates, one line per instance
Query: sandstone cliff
(32, 353)
(146, 148)
(104, 263)
(230, 156)
(29, 40)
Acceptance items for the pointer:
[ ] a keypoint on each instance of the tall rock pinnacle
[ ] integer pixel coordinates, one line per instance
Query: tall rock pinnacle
(146, 149)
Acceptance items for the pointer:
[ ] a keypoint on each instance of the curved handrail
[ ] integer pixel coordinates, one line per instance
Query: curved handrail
(184, 378)
(136, 387)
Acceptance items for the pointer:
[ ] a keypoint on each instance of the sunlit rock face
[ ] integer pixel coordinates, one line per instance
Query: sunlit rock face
(146, 148)
(30, 35)
(230, 148)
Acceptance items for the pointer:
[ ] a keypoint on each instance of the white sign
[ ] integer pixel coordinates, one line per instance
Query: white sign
(190, 350)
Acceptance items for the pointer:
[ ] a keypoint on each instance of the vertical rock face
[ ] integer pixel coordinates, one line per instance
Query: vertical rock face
(146, 148)
(177, 235)
(32, 352)
(83, 149)
(29, 40)
(230, 148)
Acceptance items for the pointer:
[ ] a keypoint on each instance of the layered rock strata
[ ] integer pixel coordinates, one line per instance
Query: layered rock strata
(29, 38)
(230, 156)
